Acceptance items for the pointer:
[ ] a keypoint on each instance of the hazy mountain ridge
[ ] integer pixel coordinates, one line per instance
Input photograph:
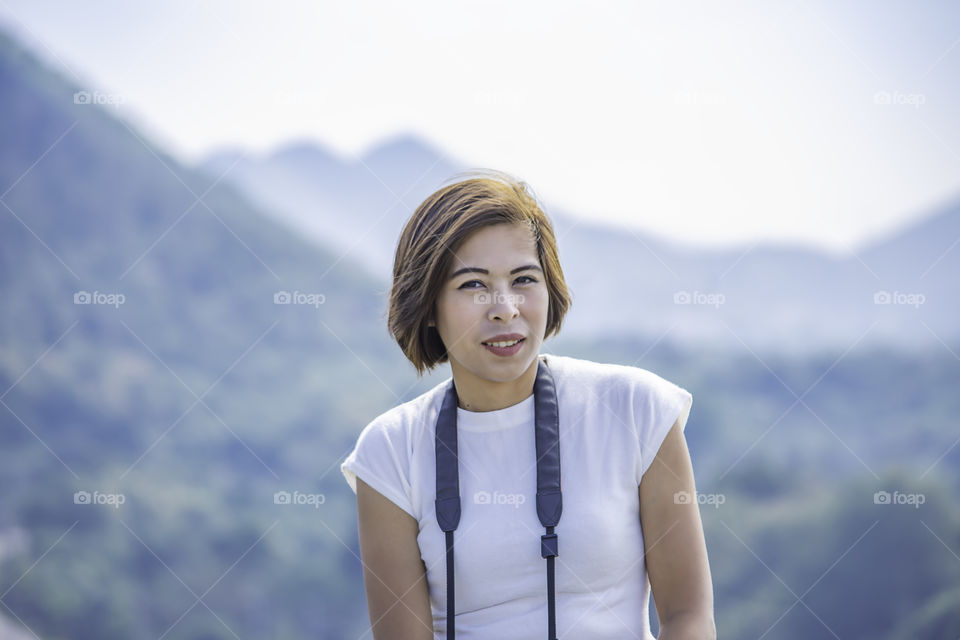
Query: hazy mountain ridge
(774, 297)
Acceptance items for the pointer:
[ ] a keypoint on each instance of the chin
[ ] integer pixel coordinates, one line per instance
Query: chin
(519, 362)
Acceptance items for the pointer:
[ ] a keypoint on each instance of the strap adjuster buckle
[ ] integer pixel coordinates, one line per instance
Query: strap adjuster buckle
(548, 545)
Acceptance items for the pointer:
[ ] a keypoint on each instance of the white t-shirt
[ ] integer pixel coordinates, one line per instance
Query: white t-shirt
(613, 419)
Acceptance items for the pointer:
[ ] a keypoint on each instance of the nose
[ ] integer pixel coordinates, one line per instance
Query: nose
(503, 307)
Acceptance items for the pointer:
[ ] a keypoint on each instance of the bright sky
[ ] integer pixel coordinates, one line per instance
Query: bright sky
(815, 122)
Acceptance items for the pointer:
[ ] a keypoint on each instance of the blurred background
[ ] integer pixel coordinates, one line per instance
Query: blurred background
(200, 203)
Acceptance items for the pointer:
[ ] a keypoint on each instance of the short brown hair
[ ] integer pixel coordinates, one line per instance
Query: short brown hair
(433, 234)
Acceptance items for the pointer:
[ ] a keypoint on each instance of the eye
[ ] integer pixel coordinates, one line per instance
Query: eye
(469, 282)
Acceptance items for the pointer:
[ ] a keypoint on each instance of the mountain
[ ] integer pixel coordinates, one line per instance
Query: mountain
(772, 298)
(145, 355)
(358, 207)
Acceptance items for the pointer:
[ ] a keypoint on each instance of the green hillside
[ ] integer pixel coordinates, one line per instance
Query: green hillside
(197, 398)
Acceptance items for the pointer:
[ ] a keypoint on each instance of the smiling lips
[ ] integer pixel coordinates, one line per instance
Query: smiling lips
(503, 340)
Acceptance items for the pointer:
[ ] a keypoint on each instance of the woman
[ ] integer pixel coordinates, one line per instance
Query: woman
(477, 282)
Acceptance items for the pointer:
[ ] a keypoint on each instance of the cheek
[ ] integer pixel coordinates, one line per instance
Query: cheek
(536, 301)
(458, 315)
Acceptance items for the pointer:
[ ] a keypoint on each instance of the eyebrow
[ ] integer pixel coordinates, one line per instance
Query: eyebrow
(526, 267)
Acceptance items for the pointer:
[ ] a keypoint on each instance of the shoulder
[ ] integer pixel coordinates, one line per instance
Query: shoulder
(624, 379)
(405, 422)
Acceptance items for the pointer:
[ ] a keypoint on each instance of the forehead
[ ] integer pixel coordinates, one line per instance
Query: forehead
(496, 243)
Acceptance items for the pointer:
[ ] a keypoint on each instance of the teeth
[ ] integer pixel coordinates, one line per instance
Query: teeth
(502, 344)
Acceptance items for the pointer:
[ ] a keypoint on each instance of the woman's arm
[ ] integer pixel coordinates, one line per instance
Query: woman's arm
(393, 572)
(674, 546)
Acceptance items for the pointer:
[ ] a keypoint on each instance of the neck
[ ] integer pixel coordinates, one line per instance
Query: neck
(485, 395)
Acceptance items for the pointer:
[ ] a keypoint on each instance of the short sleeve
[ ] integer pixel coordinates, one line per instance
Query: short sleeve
(658, 404)
(379, 459)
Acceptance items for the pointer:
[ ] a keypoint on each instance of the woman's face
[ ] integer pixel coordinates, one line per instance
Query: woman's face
(495, 286)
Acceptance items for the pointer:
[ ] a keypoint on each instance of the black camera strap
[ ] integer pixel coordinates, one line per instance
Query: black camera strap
(549, 498)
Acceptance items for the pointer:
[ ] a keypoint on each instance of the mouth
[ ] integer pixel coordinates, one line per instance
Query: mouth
(502, 343)
(504, 348)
